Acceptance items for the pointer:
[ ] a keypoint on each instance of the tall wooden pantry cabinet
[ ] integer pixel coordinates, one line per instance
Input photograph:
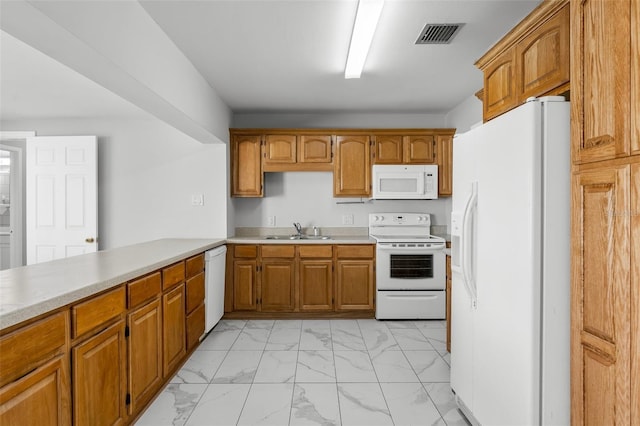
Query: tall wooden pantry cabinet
(605, 129)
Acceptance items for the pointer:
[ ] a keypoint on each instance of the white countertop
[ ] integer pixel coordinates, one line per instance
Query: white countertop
(33, 290)
(341, 239)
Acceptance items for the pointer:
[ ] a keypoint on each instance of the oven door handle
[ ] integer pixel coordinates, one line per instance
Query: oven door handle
(389, 247)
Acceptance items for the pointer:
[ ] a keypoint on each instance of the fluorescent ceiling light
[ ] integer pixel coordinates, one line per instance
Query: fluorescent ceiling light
(363, 29)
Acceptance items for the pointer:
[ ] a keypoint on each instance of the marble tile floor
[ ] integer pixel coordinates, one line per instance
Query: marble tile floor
(312, 372)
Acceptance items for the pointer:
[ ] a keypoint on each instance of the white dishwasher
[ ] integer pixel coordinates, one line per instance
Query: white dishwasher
(214, 286)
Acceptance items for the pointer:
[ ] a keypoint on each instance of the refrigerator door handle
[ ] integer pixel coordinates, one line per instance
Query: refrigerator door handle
(468, 244)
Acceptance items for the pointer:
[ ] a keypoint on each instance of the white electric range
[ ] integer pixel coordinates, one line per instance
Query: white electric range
(410, 267)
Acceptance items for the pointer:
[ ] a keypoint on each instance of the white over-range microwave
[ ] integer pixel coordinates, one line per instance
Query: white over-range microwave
(405, 182)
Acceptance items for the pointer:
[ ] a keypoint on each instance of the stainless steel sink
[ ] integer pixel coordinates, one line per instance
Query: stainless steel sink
(297, 237)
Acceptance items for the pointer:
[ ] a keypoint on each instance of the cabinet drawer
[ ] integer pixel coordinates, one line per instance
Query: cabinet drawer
(245, 251)
(278, 251)
(28, 347)
(144, 289)
(195, 326)
(315, 251)
(172, 275)
(195, 265)
(99, 310)
(355, 251)
(195, 291)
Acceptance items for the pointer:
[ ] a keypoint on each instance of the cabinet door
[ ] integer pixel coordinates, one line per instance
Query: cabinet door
(543, 57)
(316, 285)
(635, 78)
(42, 397)
(145, 353)
(99, 378)
(388, 149)
(352, 168)
(354, 285)
(444, 157)
(195, 326)
(600, 79)
(499, 85)
(419, 149)
(173, 329)
(246, 166)
(244, 285)
(280, 149)
(600, 305)
(314, 149)
(276, 286)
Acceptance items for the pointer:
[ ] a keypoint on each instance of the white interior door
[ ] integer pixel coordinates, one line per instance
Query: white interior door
(62, 215)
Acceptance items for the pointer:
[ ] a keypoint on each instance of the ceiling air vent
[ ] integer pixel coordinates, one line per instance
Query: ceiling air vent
(438, 33)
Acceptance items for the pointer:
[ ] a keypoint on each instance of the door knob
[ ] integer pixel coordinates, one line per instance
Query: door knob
(90, 240)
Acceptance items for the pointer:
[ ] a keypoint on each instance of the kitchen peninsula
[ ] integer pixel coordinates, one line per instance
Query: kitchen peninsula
(128, 316)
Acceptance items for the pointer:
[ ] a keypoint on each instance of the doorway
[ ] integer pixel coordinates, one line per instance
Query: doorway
(11, 207)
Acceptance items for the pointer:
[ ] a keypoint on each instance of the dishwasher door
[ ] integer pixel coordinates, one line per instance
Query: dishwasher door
(215, 261)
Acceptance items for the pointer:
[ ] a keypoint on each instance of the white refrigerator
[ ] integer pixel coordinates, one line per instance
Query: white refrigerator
(510, 234)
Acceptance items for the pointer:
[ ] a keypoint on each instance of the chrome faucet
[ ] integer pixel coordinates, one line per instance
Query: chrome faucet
(298, 228)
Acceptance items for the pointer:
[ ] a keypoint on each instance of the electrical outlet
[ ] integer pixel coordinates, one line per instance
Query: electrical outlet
(347, 219)
(197, 200)
(272, 221)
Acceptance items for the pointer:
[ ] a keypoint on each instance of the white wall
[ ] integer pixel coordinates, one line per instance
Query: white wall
(147, 172)
(465, 114)
(338, 120)
(307, 197)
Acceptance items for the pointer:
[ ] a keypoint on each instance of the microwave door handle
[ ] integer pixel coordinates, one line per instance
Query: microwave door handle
(422, 184)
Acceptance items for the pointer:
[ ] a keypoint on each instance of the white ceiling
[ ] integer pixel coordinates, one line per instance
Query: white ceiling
(283, 56)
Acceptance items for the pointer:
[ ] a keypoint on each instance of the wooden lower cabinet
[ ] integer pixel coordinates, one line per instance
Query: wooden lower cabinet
(195, 326)
(245, 285)
(42, 397)
(99, 378)
(174, 341)
(315, 279)
(601, 297)
(355, 287)
(144, 353)
(277, 285)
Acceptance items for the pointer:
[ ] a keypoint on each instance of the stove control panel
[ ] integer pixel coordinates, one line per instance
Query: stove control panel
(399, 219)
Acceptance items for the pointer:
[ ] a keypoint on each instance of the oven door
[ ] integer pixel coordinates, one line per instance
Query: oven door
(409, 268)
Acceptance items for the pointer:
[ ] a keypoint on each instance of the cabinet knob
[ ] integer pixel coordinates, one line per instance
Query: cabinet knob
(90, 240)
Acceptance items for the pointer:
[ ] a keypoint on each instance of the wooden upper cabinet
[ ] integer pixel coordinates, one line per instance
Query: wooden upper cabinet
(444, 158)
(531, 60)
(352, 166)
(246, 166)
(388, 149)
(419, 149)
(600, 79)
(500, 85)
(403, 149)
(543, 57)
(280, 149)
(297, 151)
(601, 298)
(314, 149)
